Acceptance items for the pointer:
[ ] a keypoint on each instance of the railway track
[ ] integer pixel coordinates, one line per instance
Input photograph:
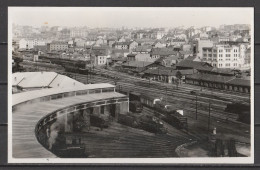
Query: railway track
(217, 110)
(228, 94)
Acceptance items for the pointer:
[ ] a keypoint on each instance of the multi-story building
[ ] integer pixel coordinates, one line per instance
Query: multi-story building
(57, 46)
(78, 32)
(130, 45)
(202, 43)
(30, 43)
(224, 56)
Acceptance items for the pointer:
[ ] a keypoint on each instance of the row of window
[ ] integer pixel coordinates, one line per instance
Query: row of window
(227, 50)
(227, 65)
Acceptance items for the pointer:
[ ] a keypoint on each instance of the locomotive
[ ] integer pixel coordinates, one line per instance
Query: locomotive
(242, 109)
(135, 104)
(166, 112)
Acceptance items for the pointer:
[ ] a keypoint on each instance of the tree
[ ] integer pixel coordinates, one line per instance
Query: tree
(179, 76)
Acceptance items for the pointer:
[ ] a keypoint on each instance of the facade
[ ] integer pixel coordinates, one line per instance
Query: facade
(177, 42)
(130, 45)
(29, 44)
(57, 46)
(78, 32)
(159, 45)
(224, 56)
(219, 82)
(100, 60)
(201, 44)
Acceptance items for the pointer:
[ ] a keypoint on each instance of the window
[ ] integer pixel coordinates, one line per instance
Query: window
(227, 55)
(204, 55)
(214, 55)
(220, 55)
(210, 55)
(228, 50)
(220, 51)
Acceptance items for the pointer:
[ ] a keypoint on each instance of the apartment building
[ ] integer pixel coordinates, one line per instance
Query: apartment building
(224, 56)
(57, 46)
(30, 43)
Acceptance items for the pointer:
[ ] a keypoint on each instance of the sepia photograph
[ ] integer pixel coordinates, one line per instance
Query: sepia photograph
(149, 85)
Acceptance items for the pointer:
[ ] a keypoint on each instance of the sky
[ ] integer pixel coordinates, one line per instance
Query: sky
(130, 17)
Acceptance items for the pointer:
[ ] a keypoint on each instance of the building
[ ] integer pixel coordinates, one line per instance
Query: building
(219, 82)
(27, 81)
(165, 74)
(176, 42)
(159, 44)
(224, 56)
(162, 52)
(201, 44)
(30, 43)
(130, 45)
(140, 57)
(195, 65)
(78, 32)
(135, 66)
(57, 46)
(144, 49)
(99, 57)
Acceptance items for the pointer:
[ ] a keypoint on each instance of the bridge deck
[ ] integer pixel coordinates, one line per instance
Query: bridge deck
(25, 118)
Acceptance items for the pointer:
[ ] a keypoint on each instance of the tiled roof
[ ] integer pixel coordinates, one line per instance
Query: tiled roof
(123, 43)
(168, 72)
(210, 78)
(163, 51)
(137, 64)
(195, 65)
(143, 48)
(240, 82)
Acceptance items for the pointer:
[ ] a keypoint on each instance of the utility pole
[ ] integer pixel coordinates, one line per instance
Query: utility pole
(196, 106)
(166, 94)
(209, 119)
(87, 76)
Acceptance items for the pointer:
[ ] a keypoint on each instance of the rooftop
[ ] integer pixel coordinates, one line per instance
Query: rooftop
(203, 66)
(163, 51)
(137, 64)
(43, 79)
(29, 95)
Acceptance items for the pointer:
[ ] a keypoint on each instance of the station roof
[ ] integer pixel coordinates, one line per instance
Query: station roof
(210, 78)
(43, 79)
(240, 82)
(137, 64)
(30, 95)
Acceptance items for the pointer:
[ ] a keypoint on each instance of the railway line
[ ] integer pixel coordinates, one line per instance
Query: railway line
(188, 103)
(224, 121)
(228, 94)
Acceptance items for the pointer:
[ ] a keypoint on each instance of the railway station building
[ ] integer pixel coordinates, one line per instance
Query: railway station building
(219, 82)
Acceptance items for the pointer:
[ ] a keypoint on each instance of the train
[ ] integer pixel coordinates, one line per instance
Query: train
(161, 109)
(242, 109)
(166, 112)
(16, 66)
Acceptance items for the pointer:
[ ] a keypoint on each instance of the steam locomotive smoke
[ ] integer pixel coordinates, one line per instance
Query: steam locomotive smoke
(55, 128)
